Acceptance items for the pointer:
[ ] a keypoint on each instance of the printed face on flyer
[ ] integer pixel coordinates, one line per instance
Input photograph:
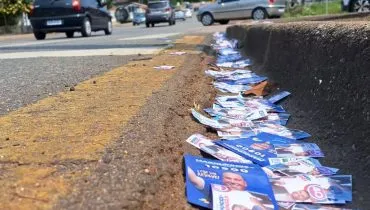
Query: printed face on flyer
(201, 173)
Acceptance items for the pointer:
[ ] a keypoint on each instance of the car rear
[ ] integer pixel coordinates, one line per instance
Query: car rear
(56, 15)
(159, 11)
(275, 8)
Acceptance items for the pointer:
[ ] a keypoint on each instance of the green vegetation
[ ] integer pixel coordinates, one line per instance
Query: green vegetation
(311, 9)
(11, 9)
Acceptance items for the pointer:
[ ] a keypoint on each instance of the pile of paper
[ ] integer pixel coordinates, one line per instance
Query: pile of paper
(261, 163)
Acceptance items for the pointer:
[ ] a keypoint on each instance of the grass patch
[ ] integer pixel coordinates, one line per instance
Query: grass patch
(312, 9)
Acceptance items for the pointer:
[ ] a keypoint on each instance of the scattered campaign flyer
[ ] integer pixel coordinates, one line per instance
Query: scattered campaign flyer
(312, 189)
(274, 118)
(303, 206)
(238, 114)
(227, 88)
(224, 197)
(281, 131)
(164, 67)
(203, 143)
(233, 63)
(278, 97)
(303, 166)
(205, 120)
(201, 173)
(282, 160)
(227, 51)
(257, 152)
(298, 150)
(255, 102)
(258, 148)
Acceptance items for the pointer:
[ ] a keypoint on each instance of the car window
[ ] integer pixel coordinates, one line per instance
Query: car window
(157, 5)
(228, 1)
(48, 2)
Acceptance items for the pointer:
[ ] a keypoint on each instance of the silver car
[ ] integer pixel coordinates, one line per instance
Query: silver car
(225, 10)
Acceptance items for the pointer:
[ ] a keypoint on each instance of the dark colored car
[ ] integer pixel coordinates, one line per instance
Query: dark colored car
(356, 5)
(159, 12)
(69, 16)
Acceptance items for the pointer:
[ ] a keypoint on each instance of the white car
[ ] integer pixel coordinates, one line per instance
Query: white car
(188, 13)
(180, 15)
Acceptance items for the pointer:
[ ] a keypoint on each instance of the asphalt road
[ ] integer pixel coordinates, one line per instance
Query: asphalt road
(31, 70)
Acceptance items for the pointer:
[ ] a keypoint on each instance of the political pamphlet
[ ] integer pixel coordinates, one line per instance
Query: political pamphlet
(206, 145)
(280, 131)
(164, 67)
(305, 206)
(206, 121)
(283, 160)
(228, 199)
(303, 166)
(258, 149)
(238, 114)
(274, 118)
(202, 172)
(298, 150)
(305, 188)
(270, 128)
(278, 97)
(227, 88)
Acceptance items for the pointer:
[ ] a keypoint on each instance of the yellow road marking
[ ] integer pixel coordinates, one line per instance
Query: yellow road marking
(72, 126)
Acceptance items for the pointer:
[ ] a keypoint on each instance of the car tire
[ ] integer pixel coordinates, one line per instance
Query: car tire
(70, 34)
(259, 14)
(207, 19)
(109, 29)
(360, 6)
(39, 35)
(224, 22)
(86, 28)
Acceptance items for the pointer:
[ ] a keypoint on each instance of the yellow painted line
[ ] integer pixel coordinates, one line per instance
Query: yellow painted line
(72, 126)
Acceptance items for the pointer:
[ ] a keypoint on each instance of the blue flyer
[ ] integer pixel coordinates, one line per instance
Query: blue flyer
(257, 149)
(276, 98)
(202, 172)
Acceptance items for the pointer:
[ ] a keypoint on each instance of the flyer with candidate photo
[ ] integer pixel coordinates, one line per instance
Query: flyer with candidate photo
(304, 166)
(280, 131)
(206, 145)
(227, 199)
(257, 148)
(312, 189)
(298, 150)
(201, 173)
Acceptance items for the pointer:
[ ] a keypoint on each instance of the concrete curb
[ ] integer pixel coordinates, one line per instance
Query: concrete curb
(325, 65)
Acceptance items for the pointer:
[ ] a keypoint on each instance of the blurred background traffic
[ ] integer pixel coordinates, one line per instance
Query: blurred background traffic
(86, 16)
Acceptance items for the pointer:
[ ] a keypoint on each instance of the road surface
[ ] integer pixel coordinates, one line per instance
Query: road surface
(31, 70)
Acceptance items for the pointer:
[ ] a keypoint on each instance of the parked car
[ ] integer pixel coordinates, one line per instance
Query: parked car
(356, 5)
(159, 12)
(180, 15)
(225, 10)
(138, 18)
(69, 16)
(188, 13)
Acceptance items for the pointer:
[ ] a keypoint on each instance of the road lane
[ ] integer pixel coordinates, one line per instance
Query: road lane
(31, 70)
